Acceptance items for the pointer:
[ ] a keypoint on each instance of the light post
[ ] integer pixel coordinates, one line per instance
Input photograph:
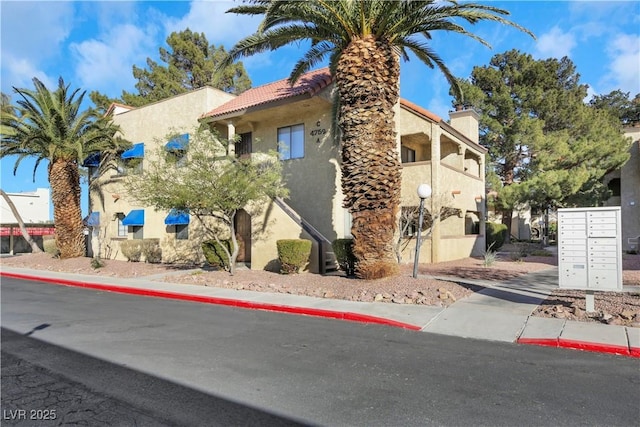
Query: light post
(424, 191)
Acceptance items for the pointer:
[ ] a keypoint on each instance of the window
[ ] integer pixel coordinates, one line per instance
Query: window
(176, 150)
(182, 231)
(137, 231)
(407, 155)
(130, 166)
(122, 229)
(94, 172)
(176, 157)
(131, 160)
(472, 223)
(291, 142)
(614, 187)
(92, 162)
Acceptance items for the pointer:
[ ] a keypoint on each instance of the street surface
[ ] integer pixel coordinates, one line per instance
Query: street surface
(98, 358)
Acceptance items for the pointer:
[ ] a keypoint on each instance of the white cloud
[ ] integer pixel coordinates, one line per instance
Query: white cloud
(555, 44)
(30, 28)
(209, 17)
(624, 68)
(21, 71)
(106, 62)
(32, 33)
(226, 29)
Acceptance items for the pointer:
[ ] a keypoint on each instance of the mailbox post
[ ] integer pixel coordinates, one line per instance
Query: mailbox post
(590, 250)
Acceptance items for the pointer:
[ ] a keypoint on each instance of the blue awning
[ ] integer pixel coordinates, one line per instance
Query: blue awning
(179, 143)
(92, 220)
(135, 152)
(177, 217)
(135, 217)
(92, 160)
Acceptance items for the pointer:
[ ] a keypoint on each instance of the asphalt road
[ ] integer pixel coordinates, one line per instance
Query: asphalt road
(151, 361)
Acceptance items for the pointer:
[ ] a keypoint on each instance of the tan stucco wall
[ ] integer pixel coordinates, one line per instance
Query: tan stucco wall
(408, 250)
(455, 173)
(629, 198)
(630, 190)
(151, 124)
(313, 181)
(264, 251)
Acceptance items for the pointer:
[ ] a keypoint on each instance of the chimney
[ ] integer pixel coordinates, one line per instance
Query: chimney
(466, 122)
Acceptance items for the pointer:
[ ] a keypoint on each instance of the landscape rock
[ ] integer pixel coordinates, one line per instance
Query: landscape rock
(403, 285)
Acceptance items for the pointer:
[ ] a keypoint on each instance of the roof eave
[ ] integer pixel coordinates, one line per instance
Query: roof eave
(257, 107)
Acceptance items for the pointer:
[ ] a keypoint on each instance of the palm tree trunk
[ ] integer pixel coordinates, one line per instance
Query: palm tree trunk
(64, 179)
(368, 82)
(34, 246)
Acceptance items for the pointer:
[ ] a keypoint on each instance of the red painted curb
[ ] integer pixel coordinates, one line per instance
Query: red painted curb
(582, 345)
(588, 346)
(331, 314)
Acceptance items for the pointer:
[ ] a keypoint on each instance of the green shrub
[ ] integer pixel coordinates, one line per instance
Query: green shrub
(50, 247)
(96, 263)
(131, 249)
(490, 257)
(343, 250)
(496, 234)
(215, 254)
(541, 252)
(293, 254)
(152, 251)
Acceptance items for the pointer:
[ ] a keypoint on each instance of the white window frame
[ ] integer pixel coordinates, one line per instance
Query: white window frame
(291, 142)
(121, 230)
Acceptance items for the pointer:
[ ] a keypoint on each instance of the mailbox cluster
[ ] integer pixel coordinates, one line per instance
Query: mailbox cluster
(590, 248)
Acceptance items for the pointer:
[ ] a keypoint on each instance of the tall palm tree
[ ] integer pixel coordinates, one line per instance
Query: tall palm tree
(50, 126)
(364, 40)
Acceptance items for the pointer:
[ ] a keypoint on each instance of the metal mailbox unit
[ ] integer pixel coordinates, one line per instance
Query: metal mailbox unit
(590, 249)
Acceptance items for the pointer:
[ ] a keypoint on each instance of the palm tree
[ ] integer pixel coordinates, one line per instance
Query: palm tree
(364, 40)
(50, 126)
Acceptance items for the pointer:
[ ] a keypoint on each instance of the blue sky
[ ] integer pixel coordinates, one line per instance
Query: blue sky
(93, 45)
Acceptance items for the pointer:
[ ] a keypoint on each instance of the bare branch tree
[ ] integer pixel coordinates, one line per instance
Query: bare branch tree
(409, 220)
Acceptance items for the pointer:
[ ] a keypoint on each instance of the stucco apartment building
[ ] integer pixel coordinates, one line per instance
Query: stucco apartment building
(297, 122)
(625, 188)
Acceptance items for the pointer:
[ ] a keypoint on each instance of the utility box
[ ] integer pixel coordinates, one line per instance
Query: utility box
(590, 248)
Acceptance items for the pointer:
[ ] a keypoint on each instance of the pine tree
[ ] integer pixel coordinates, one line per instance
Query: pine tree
(547, 147)
(189, 63)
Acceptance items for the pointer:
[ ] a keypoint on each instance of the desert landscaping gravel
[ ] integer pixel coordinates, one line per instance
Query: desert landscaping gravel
(451, 284)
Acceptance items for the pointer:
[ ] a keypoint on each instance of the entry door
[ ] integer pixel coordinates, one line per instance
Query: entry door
(243, 234)
(243, 146)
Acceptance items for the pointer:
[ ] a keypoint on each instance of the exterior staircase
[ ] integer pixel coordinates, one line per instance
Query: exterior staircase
(330, 262)
(327, 263)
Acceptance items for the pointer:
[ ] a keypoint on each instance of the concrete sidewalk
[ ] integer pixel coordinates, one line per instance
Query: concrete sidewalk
(499, 312)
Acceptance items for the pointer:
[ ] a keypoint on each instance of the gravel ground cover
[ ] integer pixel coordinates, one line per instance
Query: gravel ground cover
(513, 261)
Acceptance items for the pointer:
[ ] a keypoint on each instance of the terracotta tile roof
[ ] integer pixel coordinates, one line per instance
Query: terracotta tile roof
(310, 84)
(437, 119)
(418, 109)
